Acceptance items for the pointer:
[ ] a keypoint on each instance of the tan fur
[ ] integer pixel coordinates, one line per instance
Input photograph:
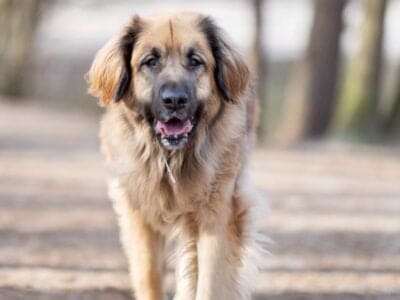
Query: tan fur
(211, 208)
(104, 72)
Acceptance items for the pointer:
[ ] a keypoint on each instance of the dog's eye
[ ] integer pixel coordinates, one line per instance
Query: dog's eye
(195, 61)
(150, 62)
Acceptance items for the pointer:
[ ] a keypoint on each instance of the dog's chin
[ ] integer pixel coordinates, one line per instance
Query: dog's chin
(172, 143)
(174, 133)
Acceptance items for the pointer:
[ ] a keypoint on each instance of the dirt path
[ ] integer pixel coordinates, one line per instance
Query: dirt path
(335, 221)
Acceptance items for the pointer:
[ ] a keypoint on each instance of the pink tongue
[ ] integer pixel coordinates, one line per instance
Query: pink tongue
(174, 127)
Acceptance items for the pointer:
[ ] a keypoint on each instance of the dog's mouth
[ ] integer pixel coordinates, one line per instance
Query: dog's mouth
(174, 133)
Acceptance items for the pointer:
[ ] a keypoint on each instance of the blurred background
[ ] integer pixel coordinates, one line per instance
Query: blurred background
(327, 158)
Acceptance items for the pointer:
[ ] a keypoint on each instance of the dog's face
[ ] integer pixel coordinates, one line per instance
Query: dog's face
(175, 71)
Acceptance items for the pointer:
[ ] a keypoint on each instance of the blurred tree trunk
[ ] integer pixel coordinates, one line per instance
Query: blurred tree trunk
(392, 123)
(357, 112)
(18, 21)
(311, 96)
(259, 66)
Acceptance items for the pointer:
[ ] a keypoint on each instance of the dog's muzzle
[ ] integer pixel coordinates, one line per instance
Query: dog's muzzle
(175, 115)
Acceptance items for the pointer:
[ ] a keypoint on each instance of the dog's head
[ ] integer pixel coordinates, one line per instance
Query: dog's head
(176, 71)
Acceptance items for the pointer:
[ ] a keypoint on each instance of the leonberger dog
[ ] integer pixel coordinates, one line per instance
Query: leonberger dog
(178, 128)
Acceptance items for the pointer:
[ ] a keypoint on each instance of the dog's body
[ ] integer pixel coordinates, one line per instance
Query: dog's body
(176, 148)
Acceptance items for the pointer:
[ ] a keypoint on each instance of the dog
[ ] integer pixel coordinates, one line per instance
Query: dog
(179, 124)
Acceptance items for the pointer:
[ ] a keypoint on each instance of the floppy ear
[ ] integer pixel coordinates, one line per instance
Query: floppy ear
(231, 73)
(110, 75)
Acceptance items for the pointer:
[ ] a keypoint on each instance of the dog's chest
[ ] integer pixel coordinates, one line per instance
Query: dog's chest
(160, 195)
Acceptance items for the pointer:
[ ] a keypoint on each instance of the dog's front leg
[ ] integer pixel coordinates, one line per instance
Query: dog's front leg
(144, 249)
(217, 264)
(211, 264)
(186, 261)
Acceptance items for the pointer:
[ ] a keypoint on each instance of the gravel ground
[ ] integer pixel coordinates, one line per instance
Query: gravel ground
(334, 221)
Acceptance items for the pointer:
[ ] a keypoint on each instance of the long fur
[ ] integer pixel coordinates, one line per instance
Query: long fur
(212, 208)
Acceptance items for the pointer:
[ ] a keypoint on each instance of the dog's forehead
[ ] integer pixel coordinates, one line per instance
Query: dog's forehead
(173, 31)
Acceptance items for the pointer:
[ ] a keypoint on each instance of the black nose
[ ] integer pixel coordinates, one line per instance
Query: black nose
(174, 96)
